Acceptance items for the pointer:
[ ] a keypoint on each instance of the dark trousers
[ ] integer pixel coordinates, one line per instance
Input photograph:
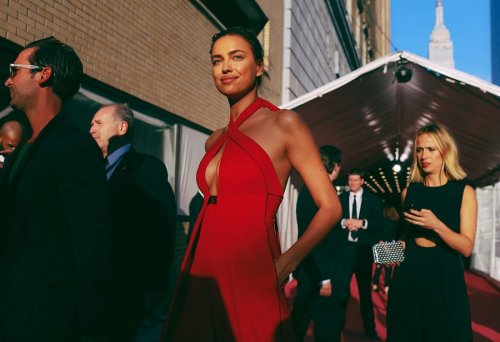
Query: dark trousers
(363, 272)
(387, 274)
(324, 312)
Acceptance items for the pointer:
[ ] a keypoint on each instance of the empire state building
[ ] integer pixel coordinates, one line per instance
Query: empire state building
(441, 46)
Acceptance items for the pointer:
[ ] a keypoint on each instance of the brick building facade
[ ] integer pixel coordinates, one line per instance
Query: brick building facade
(156, 51)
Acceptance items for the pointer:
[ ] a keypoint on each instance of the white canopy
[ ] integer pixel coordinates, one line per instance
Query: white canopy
(368, 113)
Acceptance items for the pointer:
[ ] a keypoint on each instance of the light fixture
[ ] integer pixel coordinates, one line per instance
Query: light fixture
(403, 72)
(396, 167)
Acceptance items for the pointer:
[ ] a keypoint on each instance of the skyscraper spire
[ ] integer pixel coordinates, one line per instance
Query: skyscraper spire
(441, 46)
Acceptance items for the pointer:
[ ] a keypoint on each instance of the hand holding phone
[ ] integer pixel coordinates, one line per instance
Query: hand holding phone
(409, 206)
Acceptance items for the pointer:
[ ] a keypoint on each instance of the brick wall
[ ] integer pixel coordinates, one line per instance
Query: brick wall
(154, 50)
(271, 86)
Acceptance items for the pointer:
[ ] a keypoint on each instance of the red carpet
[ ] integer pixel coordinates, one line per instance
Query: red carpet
(484, 301)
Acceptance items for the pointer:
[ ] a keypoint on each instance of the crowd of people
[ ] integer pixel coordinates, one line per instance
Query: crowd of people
(88, 223)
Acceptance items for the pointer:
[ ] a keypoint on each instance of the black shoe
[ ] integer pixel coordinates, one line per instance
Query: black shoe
(372, 334)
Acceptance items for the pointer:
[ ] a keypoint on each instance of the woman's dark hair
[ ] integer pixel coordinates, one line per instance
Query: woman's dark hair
(250, 36)
(67, 68)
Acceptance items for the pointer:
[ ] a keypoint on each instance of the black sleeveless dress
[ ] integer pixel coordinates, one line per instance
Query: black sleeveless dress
(428, 299)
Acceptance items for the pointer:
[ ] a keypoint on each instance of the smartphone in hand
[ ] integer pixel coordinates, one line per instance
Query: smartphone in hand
(408, 206)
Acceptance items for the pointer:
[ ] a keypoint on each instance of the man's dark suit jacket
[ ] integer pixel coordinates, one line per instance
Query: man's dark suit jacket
(357, 256)
(54, 246)
(331, 259)
(371, 210)
(143, 213)
(318, 266)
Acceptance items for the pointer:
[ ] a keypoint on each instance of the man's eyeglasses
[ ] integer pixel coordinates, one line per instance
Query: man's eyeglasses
(13, 68)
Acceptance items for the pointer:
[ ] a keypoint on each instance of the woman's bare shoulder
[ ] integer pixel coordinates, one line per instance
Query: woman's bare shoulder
(469, 192)
(288, 121)
(214, 137)
(287, 117)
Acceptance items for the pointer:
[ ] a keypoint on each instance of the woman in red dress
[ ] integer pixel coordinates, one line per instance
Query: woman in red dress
(231, 283)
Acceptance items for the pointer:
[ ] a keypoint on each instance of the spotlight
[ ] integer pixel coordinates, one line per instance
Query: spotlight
(403, 74)
(396, 167)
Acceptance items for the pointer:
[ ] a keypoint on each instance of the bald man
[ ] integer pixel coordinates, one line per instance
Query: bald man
(11, 134)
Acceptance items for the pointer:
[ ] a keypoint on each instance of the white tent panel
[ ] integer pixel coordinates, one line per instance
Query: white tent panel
(191, 151)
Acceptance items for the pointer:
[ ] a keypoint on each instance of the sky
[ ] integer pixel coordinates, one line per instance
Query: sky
(468, 21)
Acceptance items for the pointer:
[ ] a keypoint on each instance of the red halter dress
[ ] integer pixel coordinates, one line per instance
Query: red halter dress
(227, 289)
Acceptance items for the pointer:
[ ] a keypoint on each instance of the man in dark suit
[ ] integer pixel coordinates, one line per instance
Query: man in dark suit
(53, 231)
(143, 214)
(315, 301)
(361, 227)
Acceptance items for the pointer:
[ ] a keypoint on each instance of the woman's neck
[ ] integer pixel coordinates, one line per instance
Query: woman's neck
(237, 106)
(437, 179)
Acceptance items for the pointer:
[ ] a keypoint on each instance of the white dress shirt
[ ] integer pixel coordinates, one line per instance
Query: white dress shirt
(359, 200)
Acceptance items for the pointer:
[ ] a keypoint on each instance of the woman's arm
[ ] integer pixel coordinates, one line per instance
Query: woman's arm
(462, 242)
(404, 234)
(303, 155)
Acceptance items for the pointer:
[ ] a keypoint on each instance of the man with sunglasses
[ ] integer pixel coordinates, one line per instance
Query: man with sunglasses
(54, 231)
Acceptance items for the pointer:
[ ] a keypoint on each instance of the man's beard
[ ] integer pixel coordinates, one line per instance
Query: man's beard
(13, 103)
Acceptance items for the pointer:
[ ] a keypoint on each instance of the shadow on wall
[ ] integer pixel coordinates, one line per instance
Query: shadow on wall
(80, 110)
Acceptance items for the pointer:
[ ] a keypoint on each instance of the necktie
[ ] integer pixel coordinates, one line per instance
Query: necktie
(354, 215)
(354, 212)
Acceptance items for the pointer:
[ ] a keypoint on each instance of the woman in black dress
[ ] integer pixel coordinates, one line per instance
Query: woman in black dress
(391, 225)
(428, 299)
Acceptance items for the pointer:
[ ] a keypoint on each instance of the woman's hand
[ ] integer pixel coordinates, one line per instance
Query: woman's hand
(423, 218)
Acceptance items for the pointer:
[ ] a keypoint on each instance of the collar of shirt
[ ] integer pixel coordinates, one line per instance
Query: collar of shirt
(358, 193)
(115, 158)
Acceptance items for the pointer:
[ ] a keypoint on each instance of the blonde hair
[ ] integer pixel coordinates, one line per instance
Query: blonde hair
(447, 148)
